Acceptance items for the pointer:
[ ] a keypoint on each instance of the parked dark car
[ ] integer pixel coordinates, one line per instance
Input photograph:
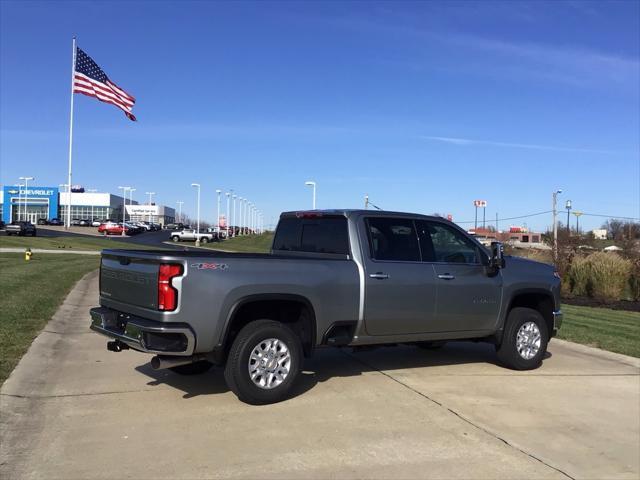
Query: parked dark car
(21, 229)
(75, 222)
(42, 221)
(55, 221)
(85, 222)
(174, 226)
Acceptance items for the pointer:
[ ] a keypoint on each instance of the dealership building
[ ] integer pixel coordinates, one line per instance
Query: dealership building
(46, 203)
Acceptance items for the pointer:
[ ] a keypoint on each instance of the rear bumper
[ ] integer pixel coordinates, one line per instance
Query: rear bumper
(144, 335)
(557, 321)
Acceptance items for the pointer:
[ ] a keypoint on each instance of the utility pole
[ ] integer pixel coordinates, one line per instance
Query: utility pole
(577, 214)
(313, 185)
(179, 211)
(568, 207)
(366, 202)
(555, 225)
(228, 212)
(218, 192)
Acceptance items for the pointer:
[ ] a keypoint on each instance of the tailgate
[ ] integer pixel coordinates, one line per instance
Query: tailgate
(130, 279)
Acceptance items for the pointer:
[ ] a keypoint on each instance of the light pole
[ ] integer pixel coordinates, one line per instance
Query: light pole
(26, 192)
(555, 225)
(179, 211)
(92, 190)
(312, 184)
(218, 192)
(151, 194)
(228, 212)
(124, 204)
(245, 223)
(197, 185)
(234, 214)
(240, 201)
(131, 190)
(568, 207)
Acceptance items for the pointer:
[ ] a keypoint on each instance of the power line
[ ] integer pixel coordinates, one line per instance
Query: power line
(609, 216)
(514, 218)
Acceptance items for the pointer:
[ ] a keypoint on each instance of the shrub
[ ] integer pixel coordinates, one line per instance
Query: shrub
(602, 275)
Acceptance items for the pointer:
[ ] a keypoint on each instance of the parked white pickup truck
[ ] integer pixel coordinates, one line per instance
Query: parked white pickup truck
(191, 236)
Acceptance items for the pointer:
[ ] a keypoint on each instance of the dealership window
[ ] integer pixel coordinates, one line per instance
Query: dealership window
(85, 212)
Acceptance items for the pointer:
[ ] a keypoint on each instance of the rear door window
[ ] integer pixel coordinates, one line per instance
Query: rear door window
(393, 239)
(313, 235)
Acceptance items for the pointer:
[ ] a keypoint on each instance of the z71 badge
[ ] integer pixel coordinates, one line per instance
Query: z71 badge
(210, 266)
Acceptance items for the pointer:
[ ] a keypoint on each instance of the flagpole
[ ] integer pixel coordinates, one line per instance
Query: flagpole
(73, 71)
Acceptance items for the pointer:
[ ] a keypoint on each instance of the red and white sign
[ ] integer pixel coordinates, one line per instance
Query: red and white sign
(222, 221)
(480, 203)
(449, 217)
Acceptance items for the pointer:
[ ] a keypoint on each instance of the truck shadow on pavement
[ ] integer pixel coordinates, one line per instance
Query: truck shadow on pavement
(328, 363)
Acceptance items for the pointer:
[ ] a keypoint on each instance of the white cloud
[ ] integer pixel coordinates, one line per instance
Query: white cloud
(531, 146)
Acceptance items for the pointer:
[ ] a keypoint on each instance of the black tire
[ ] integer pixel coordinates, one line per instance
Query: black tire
(175, 239)
(204, 240)
(433, 345)
(236, 372)
(508, 351)
(195, 368)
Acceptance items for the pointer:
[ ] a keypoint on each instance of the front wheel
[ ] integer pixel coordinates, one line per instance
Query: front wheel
(525, 339)
(264, 362)
(175, 239)
(204, 240)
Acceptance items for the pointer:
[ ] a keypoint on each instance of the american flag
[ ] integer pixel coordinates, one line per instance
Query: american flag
(89, 79)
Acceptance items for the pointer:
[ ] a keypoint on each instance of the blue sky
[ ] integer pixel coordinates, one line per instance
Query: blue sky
(425, 106)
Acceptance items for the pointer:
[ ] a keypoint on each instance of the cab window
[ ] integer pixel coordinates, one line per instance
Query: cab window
(444, 244)
(393, 239)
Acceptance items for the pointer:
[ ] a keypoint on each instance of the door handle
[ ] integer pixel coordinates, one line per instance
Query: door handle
(446, 276)
(379, 275)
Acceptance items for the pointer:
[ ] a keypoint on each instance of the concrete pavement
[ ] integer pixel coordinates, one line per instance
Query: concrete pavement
(73, 410)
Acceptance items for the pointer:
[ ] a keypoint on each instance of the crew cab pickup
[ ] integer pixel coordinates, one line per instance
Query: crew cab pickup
(192, 235)
(333, 278)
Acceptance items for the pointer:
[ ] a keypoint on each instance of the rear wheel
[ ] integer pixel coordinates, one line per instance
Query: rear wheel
(264, 362)
(175, 238)
(525, 339)
(204, 240)
(195, 368)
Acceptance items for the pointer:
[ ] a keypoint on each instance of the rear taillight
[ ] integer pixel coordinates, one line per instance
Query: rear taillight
(167, 295)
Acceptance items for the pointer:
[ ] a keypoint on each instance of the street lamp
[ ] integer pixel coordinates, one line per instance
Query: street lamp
(124, 204)
(312, 184)
(151, 194)
(179, 211)
(218, 218)
(240, 201)
(26, 192)
(92, 190)
(234, 214)
(555, 225)
(228, 211)
(568, 207)
(197, 185)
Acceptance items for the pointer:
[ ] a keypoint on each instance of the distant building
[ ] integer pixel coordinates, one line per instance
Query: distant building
(46, 203)
(599, 233)
(515, 234)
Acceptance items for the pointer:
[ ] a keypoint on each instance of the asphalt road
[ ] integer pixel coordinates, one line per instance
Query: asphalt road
(73, 410)
(146, 238)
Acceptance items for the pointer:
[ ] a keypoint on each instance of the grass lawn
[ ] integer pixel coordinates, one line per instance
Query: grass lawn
(31, 293)
(613, 330)
(71, 242)
(248, 244)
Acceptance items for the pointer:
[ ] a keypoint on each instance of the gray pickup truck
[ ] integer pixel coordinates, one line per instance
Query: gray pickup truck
(333, 278)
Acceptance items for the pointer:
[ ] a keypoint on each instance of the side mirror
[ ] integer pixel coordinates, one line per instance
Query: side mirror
(497, 255)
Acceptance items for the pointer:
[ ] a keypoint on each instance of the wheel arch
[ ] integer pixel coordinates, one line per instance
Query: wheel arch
(537, 299)
(291, 309)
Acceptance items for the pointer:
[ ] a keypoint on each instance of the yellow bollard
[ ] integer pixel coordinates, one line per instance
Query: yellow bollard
(27, 254)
